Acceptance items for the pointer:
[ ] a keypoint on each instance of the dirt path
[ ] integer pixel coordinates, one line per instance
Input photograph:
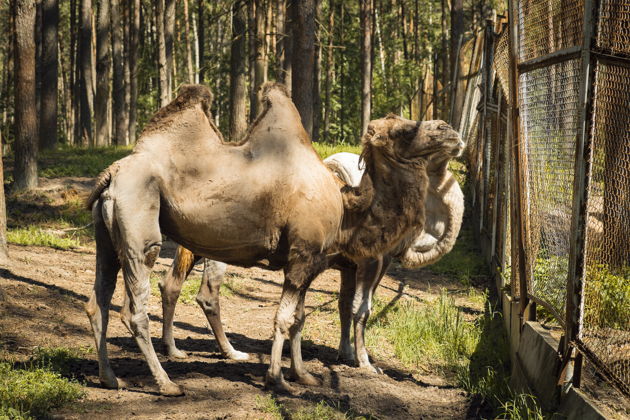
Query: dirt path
(46, 290)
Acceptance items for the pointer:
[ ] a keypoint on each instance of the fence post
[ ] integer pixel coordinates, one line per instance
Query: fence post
(518, 156)
(576, 272)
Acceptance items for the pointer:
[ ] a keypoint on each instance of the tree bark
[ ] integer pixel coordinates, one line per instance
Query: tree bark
(162, 64)
(446, 74)
(126, 23)
(457, 32)
(75, 75)
(102, 101)
(366, 64)
(25, 170)
(238, 75)
(260, 63)
(4, 250)
(330, 66)
(133, 70)
(169, 30)
(189, 60)
(287, 64)
(118, 94)
(303, 58)
(317, 67)
(48, 112)
(86, 82)
(201, 41)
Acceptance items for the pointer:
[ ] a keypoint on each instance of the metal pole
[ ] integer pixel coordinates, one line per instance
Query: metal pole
(576, 273)
(519, 162)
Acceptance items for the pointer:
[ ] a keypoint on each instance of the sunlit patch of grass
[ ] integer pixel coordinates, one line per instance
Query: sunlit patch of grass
(90, 162)
(35, 235)
(190, 288)
(30, 390)
(521, 407)
(326, 149)
(464, 263)
(323, 410)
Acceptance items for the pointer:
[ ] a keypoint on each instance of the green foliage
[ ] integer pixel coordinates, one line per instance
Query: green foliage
(607, 297)
(464, 262)
(521, 406)
(36, 387)
(34, 235)
(269, 405)
(323, 410)
(326, 149)
(79, 162)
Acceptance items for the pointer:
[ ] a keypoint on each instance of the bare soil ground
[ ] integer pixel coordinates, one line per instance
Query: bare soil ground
(45, 291)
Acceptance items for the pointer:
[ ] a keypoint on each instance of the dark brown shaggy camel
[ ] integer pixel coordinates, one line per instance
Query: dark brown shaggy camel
(268, 198)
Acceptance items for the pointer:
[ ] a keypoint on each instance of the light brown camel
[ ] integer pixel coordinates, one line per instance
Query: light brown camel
(444, 206)
(268, 198)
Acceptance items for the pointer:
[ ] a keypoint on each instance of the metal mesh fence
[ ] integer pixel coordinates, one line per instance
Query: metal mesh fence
(614, 27)
(502, 63)
(549, 118)
(606, 294)
(546, 26)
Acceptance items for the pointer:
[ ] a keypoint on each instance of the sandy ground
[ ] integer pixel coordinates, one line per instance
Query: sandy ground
(46, 289)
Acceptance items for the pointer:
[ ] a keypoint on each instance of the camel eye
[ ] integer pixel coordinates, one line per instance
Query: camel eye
(443, 127)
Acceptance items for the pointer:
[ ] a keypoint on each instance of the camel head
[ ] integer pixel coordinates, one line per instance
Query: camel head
(406, 140)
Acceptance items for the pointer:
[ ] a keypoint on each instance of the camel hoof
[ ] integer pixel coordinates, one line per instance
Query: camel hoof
(278, 384)
(372, 369)
(307, 379)
(176, 353)
(237, 355)
(113, 383)
(171, 389)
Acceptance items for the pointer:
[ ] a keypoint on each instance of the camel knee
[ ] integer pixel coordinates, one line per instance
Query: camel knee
(138, 323)
(285, 323)
(209, 304)
(151, 254)
(91, 307)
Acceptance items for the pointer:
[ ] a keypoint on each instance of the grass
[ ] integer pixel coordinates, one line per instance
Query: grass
(190, 288)
(79, 162)
(323, 410)
(326, 149)
(35, 235)
(464, 263)
(31, 389)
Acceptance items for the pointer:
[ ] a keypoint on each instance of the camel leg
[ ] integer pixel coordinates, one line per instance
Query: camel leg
(170, 287)
(369, 275)
(298, 275)
(208, 299)
(97, 308)
(298, 371)
(346, 293)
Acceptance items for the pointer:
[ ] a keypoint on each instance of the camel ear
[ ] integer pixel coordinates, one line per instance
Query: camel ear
(374, 137)
(404, 130)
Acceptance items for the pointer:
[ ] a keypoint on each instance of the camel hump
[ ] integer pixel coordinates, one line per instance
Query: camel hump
(187, 97)
(272, 91)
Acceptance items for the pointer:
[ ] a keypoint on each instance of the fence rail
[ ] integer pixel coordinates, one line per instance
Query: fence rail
(547, 121)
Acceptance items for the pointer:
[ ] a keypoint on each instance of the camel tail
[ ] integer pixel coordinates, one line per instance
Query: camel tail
(416, 259)
(102, 182)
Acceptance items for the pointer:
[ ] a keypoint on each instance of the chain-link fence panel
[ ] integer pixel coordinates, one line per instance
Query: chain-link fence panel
(549, 121)
(546, 26)
(502, 62)
(606, 294)
(614, 27)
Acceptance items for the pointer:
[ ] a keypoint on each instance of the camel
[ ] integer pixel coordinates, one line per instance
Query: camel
(268, 200)
(444, 207)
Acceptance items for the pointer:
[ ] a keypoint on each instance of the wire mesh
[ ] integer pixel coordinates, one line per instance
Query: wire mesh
(546, 26)
(549, 118)
(502, 62)
(614, 27)
(606, 294)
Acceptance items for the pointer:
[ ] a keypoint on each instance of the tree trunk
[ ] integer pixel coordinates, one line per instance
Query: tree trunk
(86, 82)
(126, 72)
(4, 251)
(457, 32)
(189, 60)
(330, 66)
(251, 56)
(25, 170)
(260, 62)
(102, 101)
(366, 64)
(48, 113)
(238, 76)
(317, 66)
(75, 75)
(133, 70)
(445, 70)
(303, 59)
(118, 94)
(169, 30)
(287, 44)
(201, 41)
(161, 45)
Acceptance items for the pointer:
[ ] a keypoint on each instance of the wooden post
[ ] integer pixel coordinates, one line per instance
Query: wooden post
(575, 281)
